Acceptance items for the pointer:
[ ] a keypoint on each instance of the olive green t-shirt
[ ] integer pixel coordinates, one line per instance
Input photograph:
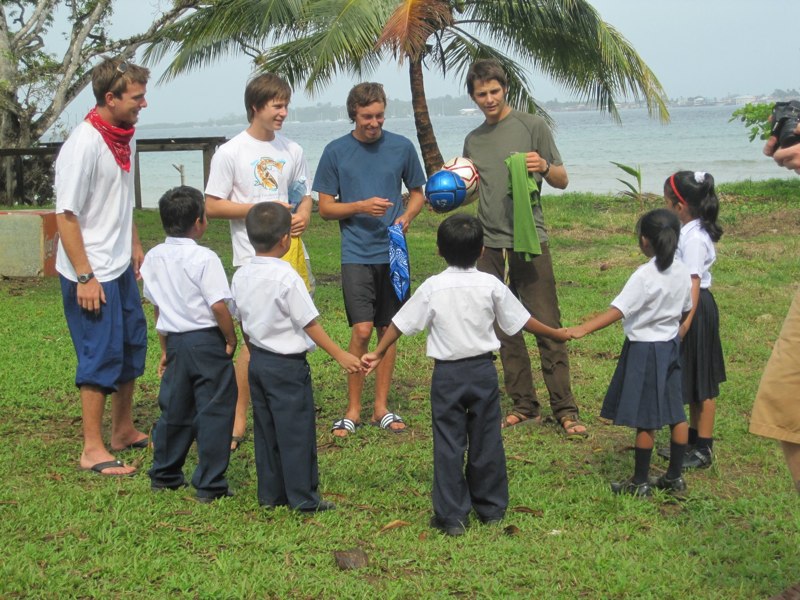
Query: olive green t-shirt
(488, 146)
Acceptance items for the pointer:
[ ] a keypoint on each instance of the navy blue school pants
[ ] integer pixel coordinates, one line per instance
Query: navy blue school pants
(465, 407)
(284, 429)
(198, 401)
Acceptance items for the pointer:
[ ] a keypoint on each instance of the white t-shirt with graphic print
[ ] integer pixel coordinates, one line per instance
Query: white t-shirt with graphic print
(248, 171)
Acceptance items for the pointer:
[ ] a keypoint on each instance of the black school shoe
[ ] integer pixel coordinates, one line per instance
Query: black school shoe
(162, 487)
(210, 499)
(665, 451)
(641, 490)
(322, 506)
(671, 485)
(451, 530)
(695, 459)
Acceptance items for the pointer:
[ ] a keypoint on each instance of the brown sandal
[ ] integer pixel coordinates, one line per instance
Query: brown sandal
(520, 420)
(568, 425)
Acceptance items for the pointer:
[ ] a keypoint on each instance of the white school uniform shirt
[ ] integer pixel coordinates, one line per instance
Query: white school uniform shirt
(696, 251)
(90, 184)
(184, 280)
(458, 308)
(273, 305)
(653, 301)
(248, 171)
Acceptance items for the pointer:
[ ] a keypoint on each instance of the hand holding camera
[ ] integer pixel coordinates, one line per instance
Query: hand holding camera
(783, 145)
(785, 118)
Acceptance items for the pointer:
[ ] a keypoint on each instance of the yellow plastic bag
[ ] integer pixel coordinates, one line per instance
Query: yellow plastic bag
(297, 258)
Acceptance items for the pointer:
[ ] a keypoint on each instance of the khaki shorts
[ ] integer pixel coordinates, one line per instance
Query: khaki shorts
(776, 411)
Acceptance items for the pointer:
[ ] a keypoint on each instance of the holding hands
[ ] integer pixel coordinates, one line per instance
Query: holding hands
(575, 333)
(349, 363)
(369, 361)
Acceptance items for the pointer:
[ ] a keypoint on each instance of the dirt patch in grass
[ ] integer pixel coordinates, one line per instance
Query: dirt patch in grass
(332, 279)
(777, 222)
(16, 286)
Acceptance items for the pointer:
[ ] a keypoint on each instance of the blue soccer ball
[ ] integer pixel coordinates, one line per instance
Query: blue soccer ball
(445, 191)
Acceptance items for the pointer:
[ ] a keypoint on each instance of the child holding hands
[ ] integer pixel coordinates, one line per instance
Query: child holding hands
(188, 288)
(645, 390)
(279, 325)
(458, 308)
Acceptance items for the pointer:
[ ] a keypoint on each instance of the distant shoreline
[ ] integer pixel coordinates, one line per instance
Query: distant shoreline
(446, 107)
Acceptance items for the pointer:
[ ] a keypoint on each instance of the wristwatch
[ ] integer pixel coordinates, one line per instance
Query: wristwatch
(85, 277)
(547, 169)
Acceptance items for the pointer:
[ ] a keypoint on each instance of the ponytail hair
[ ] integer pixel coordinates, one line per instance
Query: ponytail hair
(661, 228)
(695, 189)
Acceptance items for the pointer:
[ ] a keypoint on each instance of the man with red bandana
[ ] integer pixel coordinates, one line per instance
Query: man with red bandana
(98, 260)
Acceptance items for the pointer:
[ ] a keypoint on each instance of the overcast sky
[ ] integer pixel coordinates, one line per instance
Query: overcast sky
(695, 47)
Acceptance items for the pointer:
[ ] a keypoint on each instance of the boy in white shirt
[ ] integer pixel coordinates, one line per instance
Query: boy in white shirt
(279, 324)
(260, 164)
(458, 308)
(188, 288)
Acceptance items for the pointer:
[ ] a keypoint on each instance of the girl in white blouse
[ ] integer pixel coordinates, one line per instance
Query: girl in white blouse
(645, 390)
(691, 196)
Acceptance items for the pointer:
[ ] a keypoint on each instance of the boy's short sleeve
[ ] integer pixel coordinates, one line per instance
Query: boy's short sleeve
(326, 179)
(510, 314)
(72, 180)
(213, 281)
(297, 302)
(414, 316)
(414, 176)
(221, 175)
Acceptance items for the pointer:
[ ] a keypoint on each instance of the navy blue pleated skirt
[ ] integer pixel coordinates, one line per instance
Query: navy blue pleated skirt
(645, 390)
(701, 353)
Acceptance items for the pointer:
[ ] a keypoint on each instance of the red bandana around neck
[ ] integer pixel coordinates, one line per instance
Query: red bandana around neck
(117, 139)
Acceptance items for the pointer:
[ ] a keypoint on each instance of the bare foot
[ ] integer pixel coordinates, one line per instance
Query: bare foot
(127, 441)
(574, 428)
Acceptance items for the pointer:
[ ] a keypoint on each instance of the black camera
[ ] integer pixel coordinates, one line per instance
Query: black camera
(785, 116)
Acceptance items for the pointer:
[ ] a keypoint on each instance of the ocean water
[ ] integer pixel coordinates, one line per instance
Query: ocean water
(696, 138)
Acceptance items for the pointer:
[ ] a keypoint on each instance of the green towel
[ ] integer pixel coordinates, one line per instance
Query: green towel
(522, 185)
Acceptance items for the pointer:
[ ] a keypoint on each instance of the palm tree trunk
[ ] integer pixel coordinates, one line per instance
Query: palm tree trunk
(431, 156)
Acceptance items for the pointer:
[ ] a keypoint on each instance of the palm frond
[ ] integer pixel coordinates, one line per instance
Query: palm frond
(340, 37)
(632, 171)
(413, 22)
(221, 28)
(568, 41)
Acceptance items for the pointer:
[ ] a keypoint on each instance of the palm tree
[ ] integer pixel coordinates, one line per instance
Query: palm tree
(310, 41)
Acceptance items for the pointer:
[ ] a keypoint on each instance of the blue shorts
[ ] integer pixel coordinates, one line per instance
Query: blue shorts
(111, 346)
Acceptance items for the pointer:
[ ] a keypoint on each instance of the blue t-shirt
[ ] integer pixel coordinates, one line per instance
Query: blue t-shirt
(356, 171)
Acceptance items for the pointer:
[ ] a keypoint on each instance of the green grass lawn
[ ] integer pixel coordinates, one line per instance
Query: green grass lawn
(735, 534)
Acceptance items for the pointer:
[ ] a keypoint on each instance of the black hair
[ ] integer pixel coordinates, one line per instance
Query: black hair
(460, 240)
(661, 228)
(696, 191)
(180, 208)
(267, 223)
